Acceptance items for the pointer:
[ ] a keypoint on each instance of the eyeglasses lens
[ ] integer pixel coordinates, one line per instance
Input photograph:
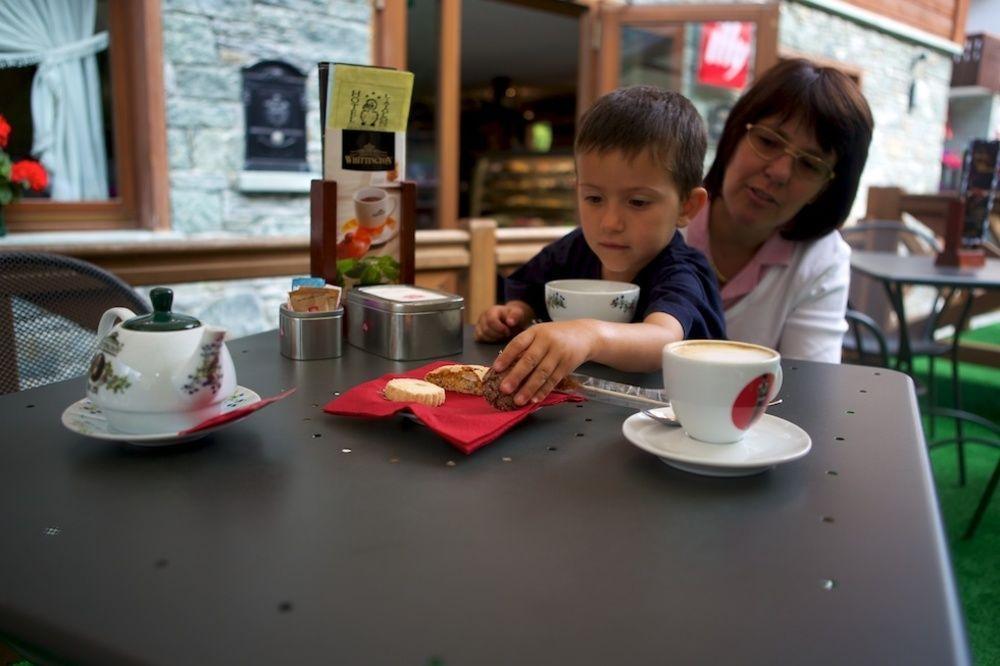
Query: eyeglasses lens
(770, 146)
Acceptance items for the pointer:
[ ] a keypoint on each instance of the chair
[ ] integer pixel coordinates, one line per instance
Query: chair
(993, 440)
(50, 306)
(868, 297)
(865, 341)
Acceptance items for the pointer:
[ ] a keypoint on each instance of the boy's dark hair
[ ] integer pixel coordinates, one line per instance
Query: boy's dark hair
(830, 104)
(641, 118)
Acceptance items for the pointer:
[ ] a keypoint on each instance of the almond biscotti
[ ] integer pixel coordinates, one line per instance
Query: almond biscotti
(466, 379)
(414, 390)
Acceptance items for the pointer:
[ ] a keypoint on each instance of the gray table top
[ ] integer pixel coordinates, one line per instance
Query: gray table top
(914, 269)
(559, 543)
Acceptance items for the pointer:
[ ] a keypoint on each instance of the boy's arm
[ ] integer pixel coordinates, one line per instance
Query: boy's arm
(544, 354)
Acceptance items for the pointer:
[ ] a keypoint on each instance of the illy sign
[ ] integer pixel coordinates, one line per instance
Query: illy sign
(724, 54)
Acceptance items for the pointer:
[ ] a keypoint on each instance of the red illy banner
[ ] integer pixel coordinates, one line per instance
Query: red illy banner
(724, 54)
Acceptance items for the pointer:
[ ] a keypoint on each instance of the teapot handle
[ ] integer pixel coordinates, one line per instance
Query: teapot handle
(108, 320)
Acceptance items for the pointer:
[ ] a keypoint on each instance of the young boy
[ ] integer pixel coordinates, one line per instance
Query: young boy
(639, 156)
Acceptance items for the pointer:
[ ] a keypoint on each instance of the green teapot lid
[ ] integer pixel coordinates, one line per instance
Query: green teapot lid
(162, 318)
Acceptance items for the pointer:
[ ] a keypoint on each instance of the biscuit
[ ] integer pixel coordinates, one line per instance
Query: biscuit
(466, 379)
(414, 390)
(491, 391)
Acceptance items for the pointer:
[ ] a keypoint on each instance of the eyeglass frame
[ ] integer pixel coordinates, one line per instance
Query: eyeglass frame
(787, 149)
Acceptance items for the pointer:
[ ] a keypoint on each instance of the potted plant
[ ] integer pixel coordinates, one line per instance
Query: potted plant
(16, 177)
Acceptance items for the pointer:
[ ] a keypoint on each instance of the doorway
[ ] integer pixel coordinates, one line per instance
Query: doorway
(517, 106)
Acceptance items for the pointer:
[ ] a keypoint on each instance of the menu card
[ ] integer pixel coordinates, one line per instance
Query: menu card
(365, 112)
(980, 179)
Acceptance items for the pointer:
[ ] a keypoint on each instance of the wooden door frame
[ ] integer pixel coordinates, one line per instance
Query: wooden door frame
(389, 39)
(613, 17)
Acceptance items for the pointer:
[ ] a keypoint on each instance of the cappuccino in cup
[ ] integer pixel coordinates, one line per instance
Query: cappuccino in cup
(718, 389)
(722, 351)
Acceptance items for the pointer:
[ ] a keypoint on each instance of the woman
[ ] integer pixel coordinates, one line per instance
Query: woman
(784, 178)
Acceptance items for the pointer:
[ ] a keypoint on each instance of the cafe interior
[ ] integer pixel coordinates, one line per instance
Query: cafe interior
(250, 417)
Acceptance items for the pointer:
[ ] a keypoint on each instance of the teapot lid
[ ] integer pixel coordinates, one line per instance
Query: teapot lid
(162, 319)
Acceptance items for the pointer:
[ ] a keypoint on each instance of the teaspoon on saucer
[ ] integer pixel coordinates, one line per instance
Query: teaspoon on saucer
(674, 423)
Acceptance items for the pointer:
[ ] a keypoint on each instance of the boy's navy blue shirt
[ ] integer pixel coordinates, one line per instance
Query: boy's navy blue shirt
(677, 281)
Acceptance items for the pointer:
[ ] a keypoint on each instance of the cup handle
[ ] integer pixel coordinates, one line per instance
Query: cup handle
(777, 384)
(108, 320)
(391, 210)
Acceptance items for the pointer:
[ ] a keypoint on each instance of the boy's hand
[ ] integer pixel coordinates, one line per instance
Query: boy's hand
(499, 322)
(542, 355)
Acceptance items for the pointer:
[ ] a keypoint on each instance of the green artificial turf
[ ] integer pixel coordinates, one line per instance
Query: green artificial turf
(977, 560)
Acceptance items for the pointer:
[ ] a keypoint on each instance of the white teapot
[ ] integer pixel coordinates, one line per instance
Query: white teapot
(161, 372)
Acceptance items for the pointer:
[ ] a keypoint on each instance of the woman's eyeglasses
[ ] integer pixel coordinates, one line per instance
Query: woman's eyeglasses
(769, 145)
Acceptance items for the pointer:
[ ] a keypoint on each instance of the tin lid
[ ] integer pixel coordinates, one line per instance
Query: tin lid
(288, 312)
(404, 298)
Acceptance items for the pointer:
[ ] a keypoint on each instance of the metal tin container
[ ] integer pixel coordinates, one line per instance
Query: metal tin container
(307, 336)
(402, 322)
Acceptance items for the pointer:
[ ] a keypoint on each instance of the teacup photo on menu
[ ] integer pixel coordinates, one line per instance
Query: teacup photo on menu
(718, 389)
(372, 207)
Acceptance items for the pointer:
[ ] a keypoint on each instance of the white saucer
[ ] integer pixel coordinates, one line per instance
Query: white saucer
(771, 441)
(85, 418)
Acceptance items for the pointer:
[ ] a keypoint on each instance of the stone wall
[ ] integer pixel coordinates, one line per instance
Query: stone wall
(206, 44)
(908, 142)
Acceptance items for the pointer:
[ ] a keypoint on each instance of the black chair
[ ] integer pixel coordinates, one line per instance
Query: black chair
(865, 342)
(50, 306)
(993, 441)
(869, 297)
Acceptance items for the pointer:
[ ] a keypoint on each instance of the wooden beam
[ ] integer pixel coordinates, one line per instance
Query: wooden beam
(152, 191)
(449, 112)
(958, 21)
(389, 34)
(482, 268)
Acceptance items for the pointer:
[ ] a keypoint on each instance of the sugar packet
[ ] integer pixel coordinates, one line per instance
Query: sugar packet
(314, 299)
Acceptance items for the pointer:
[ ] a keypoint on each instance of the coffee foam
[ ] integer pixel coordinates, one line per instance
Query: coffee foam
(722, 351)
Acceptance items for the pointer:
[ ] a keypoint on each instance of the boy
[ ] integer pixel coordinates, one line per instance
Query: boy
(639, 156)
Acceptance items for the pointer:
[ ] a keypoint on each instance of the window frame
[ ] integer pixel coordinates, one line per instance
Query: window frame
(135, 31)
(765, 16)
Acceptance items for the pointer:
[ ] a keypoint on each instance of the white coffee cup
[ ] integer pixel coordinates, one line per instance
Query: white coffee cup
(718, 389)
(372, 207)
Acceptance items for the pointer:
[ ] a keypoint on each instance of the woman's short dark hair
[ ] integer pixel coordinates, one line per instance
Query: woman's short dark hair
(640, 118)
(830, 104)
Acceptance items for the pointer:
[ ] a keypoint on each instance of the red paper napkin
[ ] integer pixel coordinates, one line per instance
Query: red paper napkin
(237, 413)
(468, 422)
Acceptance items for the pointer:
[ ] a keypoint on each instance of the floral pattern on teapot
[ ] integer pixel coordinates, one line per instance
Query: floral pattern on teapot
(207, 374)
(102, 372)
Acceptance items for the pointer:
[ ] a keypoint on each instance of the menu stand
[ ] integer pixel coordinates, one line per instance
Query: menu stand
(323, 230)
(954, 254)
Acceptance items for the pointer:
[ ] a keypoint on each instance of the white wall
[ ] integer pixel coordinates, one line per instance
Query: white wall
(984, 16)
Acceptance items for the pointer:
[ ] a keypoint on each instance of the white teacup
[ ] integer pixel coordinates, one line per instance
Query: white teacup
(718, 388)
(372, 207)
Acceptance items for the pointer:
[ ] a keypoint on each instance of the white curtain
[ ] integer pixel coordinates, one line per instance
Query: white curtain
(58, 36)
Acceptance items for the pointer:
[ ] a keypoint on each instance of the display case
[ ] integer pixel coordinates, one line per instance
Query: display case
(524, 190)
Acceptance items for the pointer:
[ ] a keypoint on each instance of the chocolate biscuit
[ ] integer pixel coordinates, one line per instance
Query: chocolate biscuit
(491, 391)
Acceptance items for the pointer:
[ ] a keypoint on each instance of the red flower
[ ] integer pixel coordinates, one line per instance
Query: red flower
(4, 132)
(30, 174)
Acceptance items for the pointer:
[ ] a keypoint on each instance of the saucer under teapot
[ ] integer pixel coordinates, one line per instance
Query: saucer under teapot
(161, 372)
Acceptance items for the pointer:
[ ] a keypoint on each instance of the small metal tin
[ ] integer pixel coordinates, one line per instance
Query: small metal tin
(402, 322)
(307, 336)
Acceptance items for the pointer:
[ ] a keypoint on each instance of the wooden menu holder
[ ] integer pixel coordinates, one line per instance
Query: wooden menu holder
(954, 254)
(323, 230)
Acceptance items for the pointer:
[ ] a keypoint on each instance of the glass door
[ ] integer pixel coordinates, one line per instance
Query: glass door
(710, 54)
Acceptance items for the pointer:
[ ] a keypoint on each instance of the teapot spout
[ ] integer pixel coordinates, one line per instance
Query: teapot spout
(205, 370)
